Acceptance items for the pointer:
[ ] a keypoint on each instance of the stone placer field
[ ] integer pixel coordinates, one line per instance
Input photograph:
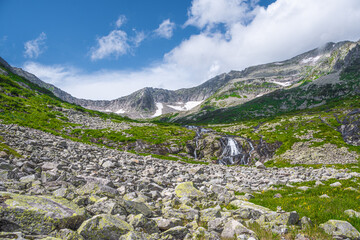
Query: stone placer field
(70, 190)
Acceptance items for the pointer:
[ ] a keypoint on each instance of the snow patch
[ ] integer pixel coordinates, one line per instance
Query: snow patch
(186, 106)
(311, 59)
(107, 110)
(284, 84)
(120, 111)
(179, 108)
(191, 104)
(159, 108)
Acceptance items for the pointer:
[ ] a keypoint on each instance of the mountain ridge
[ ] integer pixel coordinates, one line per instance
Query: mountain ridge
(222, 91)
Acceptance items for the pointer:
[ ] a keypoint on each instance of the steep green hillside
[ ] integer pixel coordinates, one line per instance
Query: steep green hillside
(26, 104)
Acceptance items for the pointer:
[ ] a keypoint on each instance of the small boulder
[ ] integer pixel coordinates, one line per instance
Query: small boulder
(336, 184)
(351, 213)
(104, 226)
(259, 165)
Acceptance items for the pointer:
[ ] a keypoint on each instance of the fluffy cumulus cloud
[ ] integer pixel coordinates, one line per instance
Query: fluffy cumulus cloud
(114, 44)
(209, 13)
(165, 29)
(34, 48)
(253, 35)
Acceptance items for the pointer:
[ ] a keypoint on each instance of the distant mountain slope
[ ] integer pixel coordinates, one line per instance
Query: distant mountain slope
(144, 103)
(306, 81)
(229, 90)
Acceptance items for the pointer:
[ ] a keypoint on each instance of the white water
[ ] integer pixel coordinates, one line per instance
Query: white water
(233, 147)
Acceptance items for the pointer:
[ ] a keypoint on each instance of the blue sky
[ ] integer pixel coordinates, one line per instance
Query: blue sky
(108, 49)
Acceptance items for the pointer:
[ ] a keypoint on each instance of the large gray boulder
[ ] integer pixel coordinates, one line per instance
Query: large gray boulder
(340, 229)
(38, 214)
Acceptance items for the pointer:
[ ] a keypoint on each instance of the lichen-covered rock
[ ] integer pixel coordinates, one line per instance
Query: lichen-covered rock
(104, 226)
(165, 224)
(248, 210)
(209, 214)
(235, 229)
(340, 229)
(187, 189)
(175, 233)
(97, 189)
(134, 236)
(38, 214)
(202, 233)
(137, 208)
(217, 224)
(11, 235)
(104, 206)
(139, 222)
(351, 213)
(67, 234)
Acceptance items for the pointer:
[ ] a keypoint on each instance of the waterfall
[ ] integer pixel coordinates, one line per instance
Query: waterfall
(230, 152)
(233, 153)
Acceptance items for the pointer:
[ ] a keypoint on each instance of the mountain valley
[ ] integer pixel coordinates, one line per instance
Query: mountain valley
(269, 152)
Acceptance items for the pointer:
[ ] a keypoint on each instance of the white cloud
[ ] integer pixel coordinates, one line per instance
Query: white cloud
(281, 31)
(209, 12)
(121, 20)
(107, 84)
(34, 48)
(165, 29)
(139, 37)
(116, 43)
(55, 74)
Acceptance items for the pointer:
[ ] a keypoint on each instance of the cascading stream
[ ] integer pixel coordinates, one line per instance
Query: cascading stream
(230, 153)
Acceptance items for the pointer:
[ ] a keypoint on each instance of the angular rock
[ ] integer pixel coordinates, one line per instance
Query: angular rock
(110, 206)
(139, 222)
(104, 226)
(351, 213)
(165, 224)
(187, 189)
(67, 234)
(38, 214)
(137, 208)
(97, 189)
(134, 236)
(336, 184)
(340, 229)
(210, 213)
(177, 233)
(259, 165)
(235, 229)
